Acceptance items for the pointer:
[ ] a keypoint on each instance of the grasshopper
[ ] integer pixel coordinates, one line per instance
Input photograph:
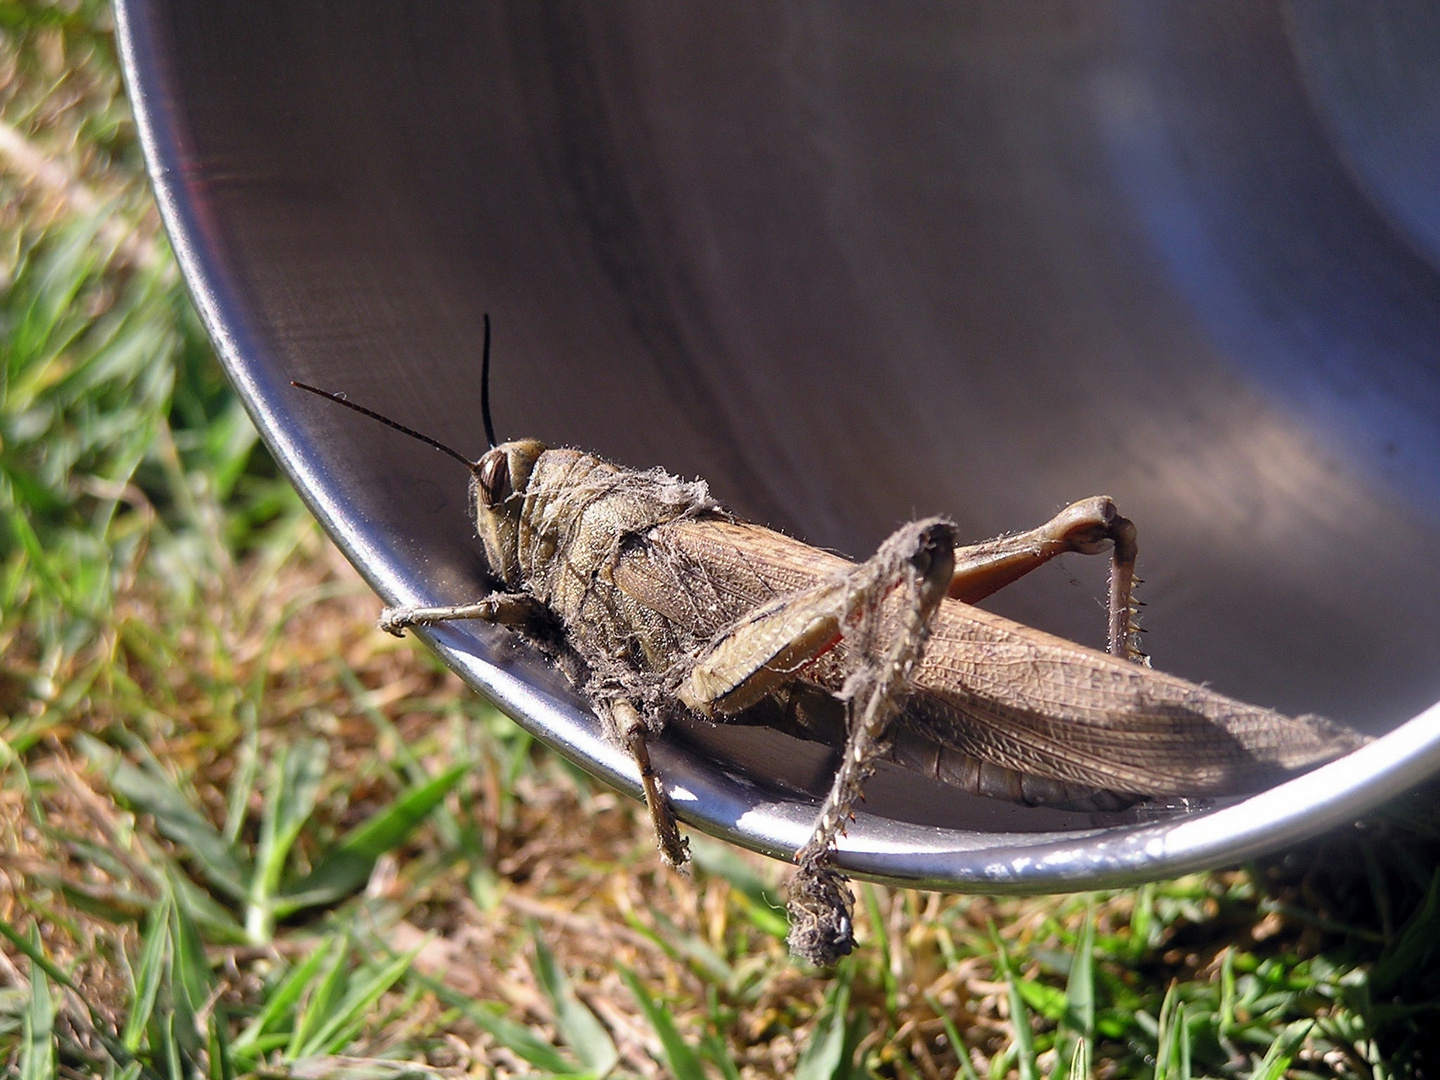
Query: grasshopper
(655, 602)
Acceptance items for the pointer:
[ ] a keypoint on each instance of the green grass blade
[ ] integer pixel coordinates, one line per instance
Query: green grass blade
(448, 826)
(1281, 1055)
(880, 939)
(52, 578)
(190, 980)
(1226, 1010)
(149, 973)
(1075, 1037)
(292, 790)
(229, 439)
(524, 1043)
(173, 1054)
(34, 950)
(578, 1026)
(222, 1066)
(824, 1057)
(336, 1033)
(1144, 925)
(957, 1041)
(1168, 1034)
(683, 943)
(37, 1056)
(714, 1049)
(36, 953)
(302, 768)
(682, 1061)
(1414, 950)
(515, 1037)
(281, 1001)
(1019, 1013)
(150, 791)
(242, 782)
(763, 903)
(219, 924)
(317, 1011)
(1049, 1001)
(347, 866)
(1183, 1026)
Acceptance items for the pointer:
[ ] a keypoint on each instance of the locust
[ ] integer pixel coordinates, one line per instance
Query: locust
(657, 603)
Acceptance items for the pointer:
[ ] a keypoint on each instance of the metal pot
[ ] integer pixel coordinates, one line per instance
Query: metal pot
(854, 264)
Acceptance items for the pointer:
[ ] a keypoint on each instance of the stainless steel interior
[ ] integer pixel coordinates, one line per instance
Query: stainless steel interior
(855, 263)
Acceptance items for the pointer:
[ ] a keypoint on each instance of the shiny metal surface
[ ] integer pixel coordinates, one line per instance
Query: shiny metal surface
(852, 264)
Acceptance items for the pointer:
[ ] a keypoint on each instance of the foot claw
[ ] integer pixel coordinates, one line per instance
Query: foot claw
(393, 621)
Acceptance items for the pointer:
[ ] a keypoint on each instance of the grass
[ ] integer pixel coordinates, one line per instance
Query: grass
(244, 833)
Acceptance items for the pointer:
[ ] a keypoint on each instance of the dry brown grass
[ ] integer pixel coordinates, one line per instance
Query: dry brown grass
(560, 854)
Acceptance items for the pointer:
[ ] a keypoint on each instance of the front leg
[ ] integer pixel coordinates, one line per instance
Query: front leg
(519, 611)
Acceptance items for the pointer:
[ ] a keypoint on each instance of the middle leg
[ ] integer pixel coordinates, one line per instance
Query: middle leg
(633, 732)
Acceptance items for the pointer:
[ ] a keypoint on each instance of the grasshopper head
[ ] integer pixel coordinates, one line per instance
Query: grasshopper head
(497, 497)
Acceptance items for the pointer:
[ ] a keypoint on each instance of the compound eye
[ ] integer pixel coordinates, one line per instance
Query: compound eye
(494, 479)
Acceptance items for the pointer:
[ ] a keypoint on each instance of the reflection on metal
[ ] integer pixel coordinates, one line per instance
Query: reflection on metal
(852, 265)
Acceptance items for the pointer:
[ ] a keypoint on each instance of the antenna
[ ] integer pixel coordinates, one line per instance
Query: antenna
(485, 387)
(340, 399)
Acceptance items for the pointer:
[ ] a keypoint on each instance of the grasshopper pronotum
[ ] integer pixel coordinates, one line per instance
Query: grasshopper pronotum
(655, 600)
